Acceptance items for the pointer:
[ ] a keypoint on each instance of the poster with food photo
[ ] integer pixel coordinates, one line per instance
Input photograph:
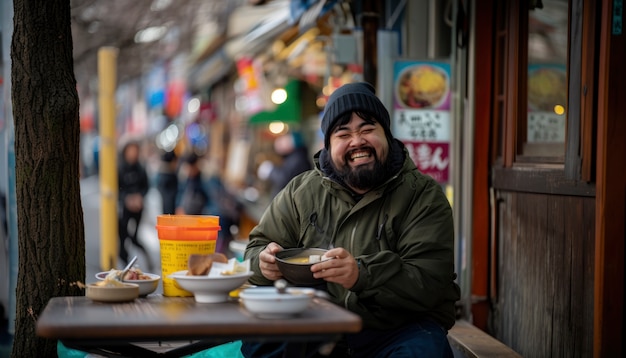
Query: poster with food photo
(547, 103)
(422, 85)
(421, 114)
(547, 87)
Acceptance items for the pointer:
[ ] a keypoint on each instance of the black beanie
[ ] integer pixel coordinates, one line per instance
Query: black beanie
(354, 97)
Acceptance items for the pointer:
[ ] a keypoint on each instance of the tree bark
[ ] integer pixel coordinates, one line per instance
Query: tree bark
(51, 240)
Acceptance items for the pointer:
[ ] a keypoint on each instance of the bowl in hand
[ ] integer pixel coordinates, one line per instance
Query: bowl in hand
(295, 265)
(267, 302)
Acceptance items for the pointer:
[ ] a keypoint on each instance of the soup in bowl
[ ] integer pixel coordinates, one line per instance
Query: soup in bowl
(295, 265)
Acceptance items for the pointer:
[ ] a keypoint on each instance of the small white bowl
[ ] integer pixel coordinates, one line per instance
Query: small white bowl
(146, 287)
(123, 292)
(207, 289)
(267, 302)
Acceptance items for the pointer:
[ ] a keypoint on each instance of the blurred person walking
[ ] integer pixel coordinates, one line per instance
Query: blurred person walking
(133, 187)
(295, 160)
(194, 198)
(167, 181)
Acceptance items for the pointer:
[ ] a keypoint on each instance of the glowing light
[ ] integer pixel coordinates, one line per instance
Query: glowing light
(168, 138)
(276, 127)
(558, 109)
(150, 34)
(193, 105)
(279, 96)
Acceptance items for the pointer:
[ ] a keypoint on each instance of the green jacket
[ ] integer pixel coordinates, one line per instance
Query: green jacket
(401, 234)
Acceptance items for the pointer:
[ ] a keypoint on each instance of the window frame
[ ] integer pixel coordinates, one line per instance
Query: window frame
(571, 174)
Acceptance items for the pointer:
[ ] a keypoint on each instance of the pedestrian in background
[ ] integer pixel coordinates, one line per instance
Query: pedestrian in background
(167, 181)
(294, 160)
(194, 197)
(133, 187)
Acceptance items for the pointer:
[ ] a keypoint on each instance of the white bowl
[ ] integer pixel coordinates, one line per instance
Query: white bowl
(207, 289)
(122, 292)
(146, 287)
(267, 302)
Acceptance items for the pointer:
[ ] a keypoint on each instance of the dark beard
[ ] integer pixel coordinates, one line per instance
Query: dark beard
(362, 177)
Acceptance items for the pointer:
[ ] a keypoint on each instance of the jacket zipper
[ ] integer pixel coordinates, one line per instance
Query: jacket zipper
(345, 301)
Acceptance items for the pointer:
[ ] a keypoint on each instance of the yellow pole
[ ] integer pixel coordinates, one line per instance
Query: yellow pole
(107, 57)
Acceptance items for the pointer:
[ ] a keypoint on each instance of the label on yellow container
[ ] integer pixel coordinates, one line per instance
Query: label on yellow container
(174, 256)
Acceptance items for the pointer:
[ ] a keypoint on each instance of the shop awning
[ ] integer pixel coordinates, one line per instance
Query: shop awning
(210, 71)
(251, 29)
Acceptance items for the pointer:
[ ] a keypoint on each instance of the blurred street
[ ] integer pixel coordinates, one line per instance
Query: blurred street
(90, 195)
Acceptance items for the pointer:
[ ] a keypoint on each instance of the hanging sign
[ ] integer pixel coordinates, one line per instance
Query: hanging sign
(421, 116)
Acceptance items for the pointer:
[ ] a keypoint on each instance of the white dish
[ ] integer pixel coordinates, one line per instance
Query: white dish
(210, 289)
(267, 302)
(146, 287)
(122, 292)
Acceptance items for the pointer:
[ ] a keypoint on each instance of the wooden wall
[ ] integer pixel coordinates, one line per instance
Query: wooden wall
(544, 274)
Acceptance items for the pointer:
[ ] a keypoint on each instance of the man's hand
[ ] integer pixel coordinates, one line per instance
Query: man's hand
(342, 269)
(267, 262)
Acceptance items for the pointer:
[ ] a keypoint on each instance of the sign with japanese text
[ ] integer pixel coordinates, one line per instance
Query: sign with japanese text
(421, 116)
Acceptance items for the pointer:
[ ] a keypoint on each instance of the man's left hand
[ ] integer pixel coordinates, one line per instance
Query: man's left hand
(341, 269)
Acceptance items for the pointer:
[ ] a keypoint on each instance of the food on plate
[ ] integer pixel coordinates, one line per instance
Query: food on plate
(422, 86)
(134, 273)
(547, 87)
(199, 264)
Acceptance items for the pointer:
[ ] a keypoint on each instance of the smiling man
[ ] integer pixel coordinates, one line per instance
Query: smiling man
(388, 228)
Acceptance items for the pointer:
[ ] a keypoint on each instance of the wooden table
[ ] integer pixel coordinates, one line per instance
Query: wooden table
(114, 329)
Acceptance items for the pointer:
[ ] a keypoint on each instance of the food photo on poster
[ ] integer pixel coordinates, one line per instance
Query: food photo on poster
(422, 85)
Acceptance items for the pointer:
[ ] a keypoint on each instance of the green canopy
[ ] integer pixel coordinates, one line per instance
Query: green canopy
(288, 111)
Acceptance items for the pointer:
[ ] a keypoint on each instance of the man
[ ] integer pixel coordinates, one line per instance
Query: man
(389, 229)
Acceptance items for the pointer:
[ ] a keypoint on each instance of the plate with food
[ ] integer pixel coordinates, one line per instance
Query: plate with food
(211, 281)
(147, 282)
(423, 86)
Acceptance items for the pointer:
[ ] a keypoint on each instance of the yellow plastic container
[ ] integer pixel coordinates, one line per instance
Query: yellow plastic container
(179, 237)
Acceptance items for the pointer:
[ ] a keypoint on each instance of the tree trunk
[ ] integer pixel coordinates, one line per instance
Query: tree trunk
(49, 212)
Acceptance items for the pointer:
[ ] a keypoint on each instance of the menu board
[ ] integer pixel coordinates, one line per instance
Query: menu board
(421, 114)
